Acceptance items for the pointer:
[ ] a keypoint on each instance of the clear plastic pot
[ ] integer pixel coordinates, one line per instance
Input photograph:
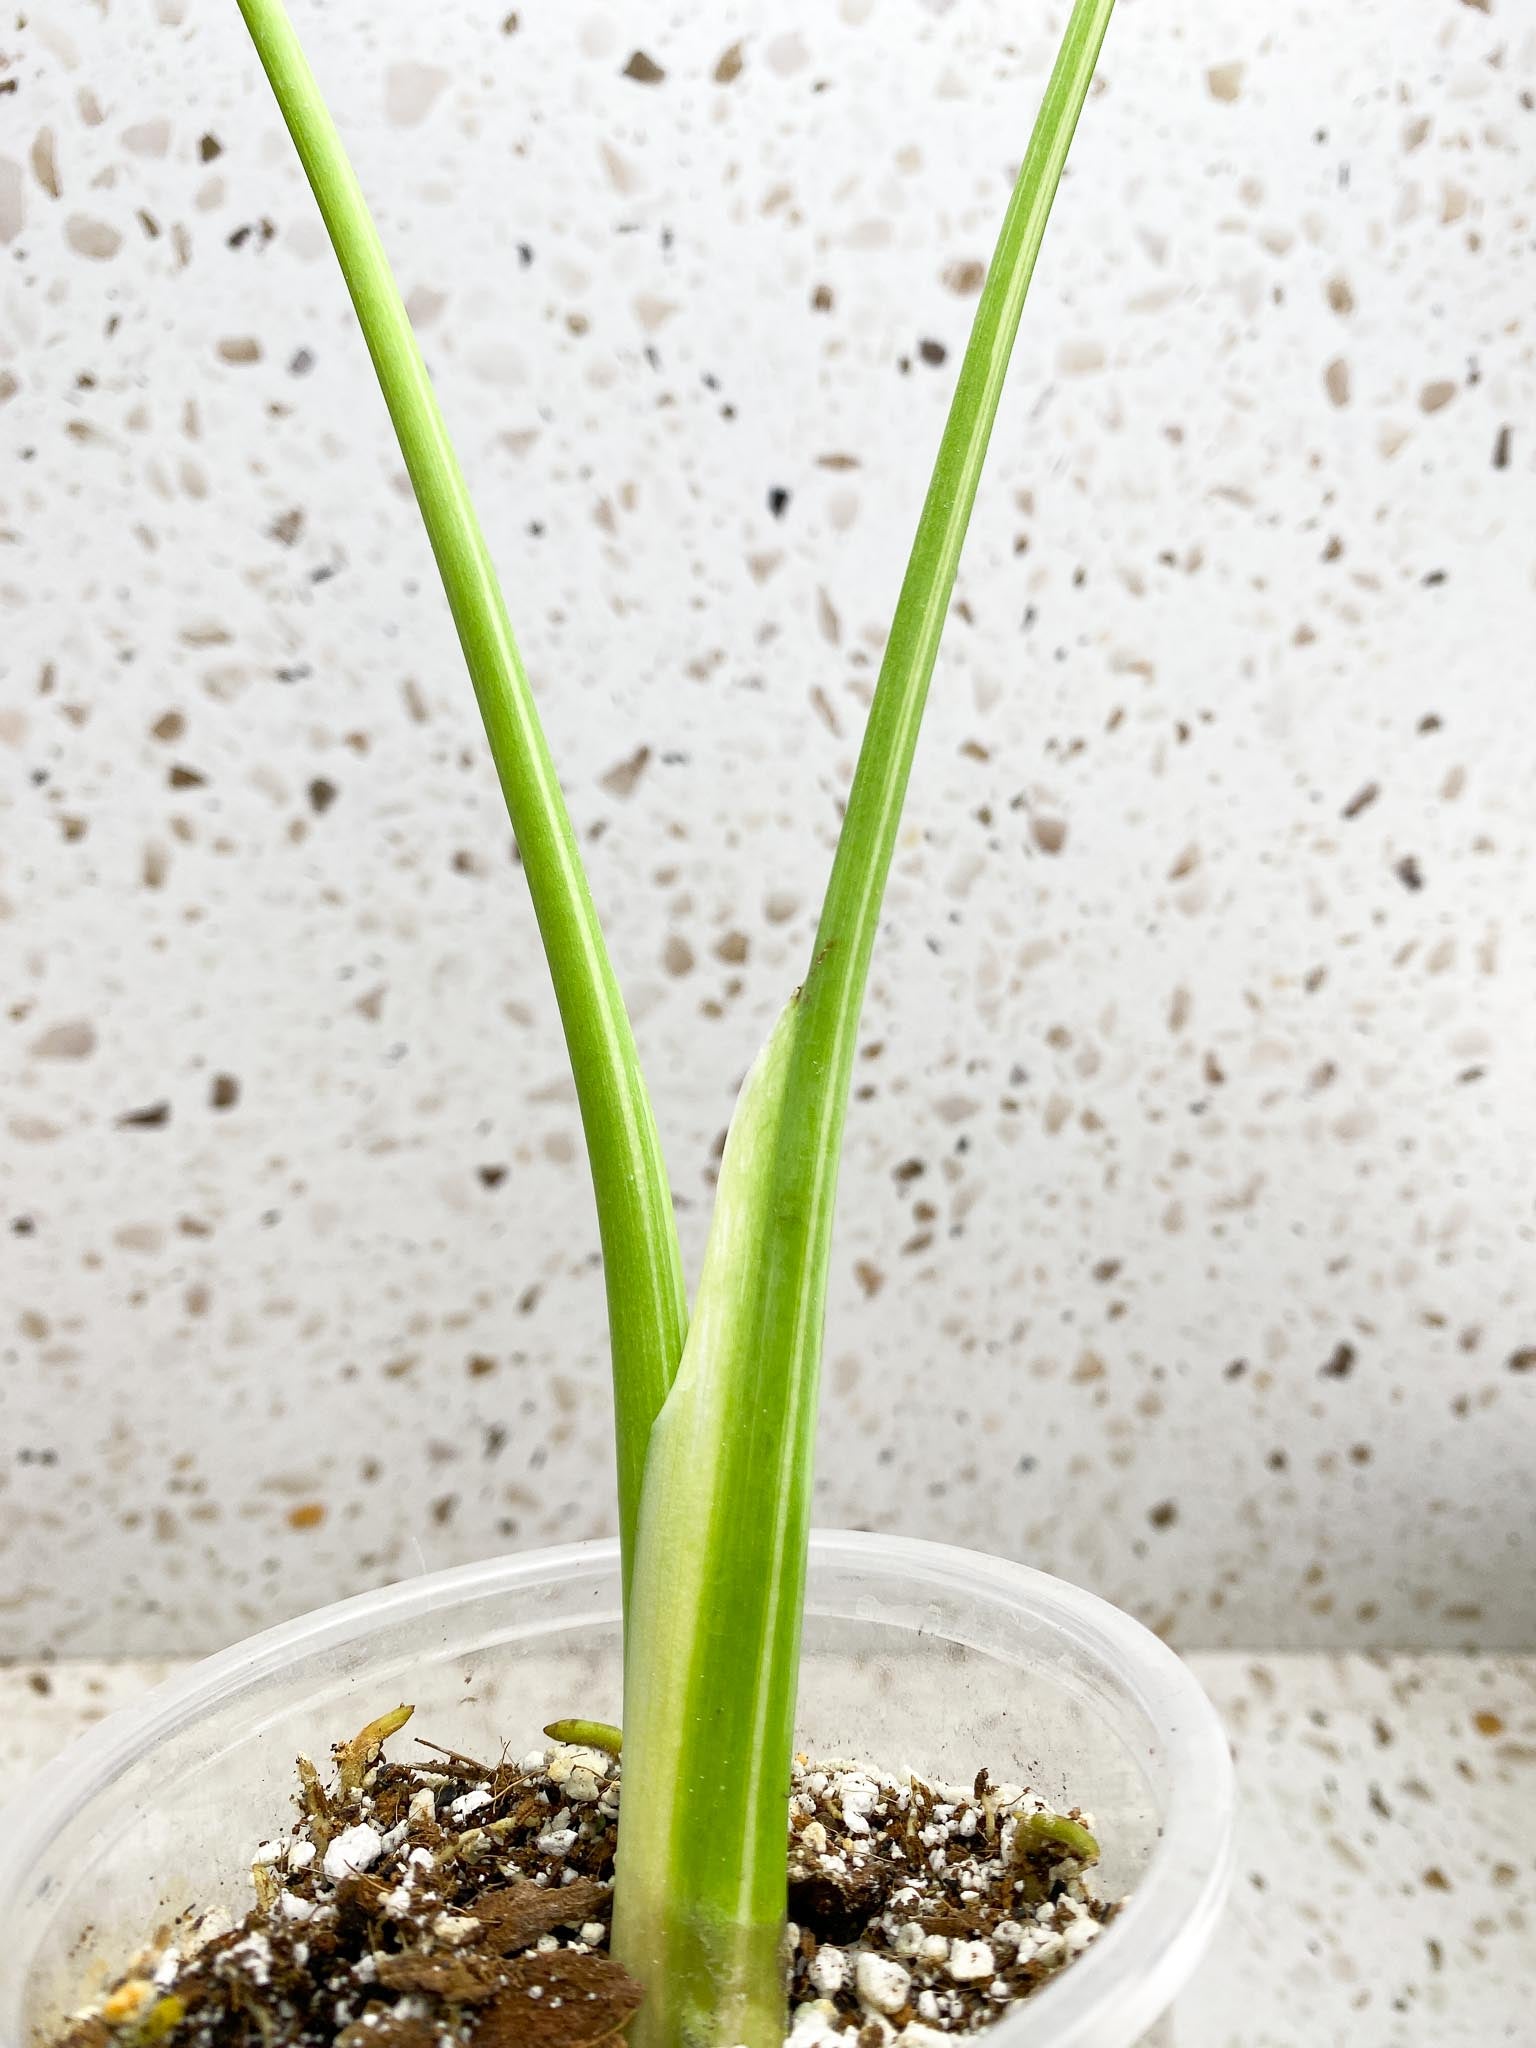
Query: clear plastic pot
(915, 1656)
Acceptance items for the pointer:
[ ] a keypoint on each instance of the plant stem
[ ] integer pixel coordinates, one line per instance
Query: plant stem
(647, 1306)
(699, 1892)
(712, 1652)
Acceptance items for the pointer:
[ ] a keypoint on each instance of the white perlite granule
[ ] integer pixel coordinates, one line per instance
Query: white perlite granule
(354, 1849)
(828, 1971)
(882, 1984)
(971, 1961)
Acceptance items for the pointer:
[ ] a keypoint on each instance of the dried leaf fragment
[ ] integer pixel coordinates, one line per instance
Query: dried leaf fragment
(560, 2000)
(518, 1915)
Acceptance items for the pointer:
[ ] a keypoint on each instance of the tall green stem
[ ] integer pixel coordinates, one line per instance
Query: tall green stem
(647, 1306)
(713, 1649)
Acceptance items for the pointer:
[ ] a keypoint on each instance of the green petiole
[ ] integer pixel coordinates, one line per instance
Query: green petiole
(647, 1307)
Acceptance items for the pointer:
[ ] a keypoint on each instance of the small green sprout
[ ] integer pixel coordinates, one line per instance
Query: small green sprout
(590, 1734)
(1055, 1830)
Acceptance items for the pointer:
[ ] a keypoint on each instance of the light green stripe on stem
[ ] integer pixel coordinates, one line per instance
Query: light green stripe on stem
(699, 1897)
(713, 1643)
(647, 1307)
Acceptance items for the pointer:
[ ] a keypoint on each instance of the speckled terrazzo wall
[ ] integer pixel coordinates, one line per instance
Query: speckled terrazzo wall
(1186, 1241)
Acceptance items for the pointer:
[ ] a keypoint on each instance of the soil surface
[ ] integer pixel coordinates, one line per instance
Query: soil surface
(450, 1903)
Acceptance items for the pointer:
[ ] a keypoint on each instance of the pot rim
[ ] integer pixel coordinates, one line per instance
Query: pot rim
(1122, 1984)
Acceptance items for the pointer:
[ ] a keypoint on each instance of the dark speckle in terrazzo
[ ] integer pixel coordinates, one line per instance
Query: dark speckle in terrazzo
(1409, 873)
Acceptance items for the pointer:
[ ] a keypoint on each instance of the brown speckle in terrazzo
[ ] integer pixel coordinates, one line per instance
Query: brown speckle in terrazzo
(75, 1040)
(965, 276)
(96, 239)
(621, 779)
(43, 158)
(153, 1117)
(1363, 798)
(411, 90)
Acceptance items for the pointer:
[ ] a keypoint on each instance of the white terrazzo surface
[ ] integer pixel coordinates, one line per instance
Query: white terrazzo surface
(1191, 1154)
(1386, 1890)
